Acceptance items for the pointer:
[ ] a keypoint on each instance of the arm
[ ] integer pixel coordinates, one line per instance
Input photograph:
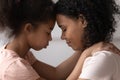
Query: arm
(56, 73)
(78, 68)
(65, 68)
(88, 52)
(44, 70)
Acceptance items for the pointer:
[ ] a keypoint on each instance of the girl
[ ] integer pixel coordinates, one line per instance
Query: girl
(86, 23)
(31, 27)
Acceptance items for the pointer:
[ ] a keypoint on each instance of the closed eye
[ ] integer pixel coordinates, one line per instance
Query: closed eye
(48, 33)
(63, 30)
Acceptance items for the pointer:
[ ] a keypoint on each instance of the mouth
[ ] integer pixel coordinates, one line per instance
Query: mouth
(69, 43)
(46, 46)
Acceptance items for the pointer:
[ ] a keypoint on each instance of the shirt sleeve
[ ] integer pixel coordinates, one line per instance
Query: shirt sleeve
(20, 70)
(99, 66)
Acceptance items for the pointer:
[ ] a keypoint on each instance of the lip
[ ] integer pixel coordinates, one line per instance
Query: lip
(69, 44)
(46, 46)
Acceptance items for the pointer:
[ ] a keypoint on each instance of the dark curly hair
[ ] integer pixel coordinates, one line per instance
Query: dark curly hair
(14, 13)
(99, 15)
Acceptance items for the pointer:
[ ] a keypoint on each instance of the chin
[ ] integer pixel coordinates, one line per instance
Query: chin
(76, 48)
(37, 49)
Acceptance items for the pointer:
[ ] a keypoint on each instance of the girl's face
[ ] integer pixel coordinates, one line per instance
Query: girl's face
(39, 38)
(72, 31)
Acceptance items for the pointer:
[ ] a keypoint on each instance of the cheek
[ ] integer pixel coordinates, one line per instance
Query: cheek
(40, 40)
(77, 39)
(70, 33)
(40, 43)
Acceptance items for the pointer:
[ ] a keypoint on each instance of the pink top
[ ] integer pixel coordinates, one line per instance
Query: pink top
(12, 67)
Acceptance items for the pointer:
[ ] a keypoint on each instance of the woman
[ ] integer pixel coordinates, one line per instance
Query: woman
(84, 24)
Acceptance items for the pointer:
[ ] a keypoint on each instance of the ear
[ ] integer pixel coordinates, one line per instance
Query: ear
(28, 28)
(84, 24)
(83, 20)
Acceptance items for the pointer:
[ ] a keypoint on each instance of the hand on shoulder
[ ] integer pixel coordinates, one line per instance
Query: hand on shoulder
(101, 46)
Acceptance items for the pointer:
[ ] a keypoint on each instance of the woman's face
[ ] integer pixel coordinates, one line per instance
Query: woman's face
(39, 38)
(72, 31)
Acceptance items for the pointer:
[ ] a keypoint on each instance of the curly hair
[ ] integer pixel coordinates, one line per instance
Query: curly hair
(99, 15)
(14, 13)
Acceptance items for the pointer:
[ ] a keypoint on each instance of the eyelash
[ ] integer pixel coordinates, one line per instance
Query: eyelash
(63, 30)
(48, 33)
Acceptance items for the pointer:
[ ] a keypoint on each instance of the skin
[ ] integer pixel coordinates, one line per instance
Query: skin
(36, 38)
(39, 37)
(72, 30)
(30, 37)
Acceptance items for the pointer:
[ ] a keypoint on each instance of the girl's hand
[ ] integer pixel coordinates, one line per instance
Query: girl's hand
(30, 58)
(103, 46)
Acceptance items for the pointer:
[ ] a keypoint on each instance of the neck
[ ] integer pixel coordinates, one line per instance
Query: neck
(20, 46)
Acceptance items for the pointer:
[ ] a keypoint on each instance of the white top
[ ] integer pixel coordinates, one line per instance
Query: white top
(102, 65)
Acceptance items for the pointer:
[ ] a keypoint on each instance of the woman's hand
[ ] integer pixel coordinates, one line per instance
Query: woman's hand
(88, 52)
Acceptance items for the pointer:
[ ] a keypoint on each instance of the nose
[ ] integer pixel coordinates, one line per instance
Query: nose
(63, 36)
(50, 39)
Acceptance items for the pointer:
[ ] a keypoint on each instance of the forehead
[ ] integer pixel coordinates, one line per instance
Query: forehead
(64, 18)
(61, 17)
(47, 25)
